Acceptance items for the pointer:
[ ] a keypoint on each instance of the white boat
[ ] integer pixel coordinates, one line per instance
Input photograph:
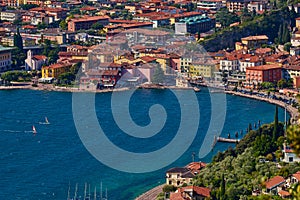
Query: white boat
(34, 130)
(46, 121)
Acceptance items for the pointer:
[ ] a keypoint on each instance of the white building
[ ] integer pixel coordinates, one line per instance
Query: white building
(211, 4)
(34, 62)
(289, 155)
(10, 15)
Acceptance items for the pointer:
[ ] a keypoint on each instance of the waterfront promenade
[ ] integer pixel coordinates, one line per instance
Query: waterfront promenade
(151, 194)
(292, 110)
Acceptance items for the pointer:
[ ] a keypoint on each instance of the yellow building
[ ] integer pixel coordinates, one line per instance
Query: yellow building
(201, 69)
(53, 71)
(253, 42)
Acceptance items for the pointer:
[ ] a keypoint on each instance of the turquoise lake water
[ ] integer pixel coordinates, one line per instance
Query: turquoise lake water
(43, 166)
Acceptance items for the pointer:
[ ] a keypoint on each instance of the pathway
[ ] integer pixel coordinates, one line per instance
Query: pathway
(151, 194)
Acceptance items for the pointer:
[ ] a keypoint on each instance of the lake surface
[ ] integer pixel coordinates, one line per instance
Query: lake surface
(43, 166)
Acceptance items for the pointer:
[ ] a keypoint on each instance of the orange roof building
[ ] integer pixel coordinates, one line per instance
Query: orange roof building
(86, 22)
(263, 73)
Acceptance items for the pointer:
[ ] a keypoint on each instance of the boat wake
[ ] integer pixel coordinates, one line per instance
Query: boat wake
(12, 131)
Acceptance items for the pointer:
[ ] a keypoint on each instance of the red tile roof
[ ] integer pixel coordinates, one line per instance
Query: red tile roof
(40, 57)
(275, 181)
(264, 67)
(88, 18)
(297, 175)
(257, 37)
(284, 193)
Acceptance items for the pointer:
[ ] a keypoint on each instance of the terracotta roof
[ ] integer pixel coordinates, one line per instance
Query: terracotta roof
(264, 67)
(257, 37)
(201, 191)
(88, 18)
(275, 181)
(176, 196)
(147, 59)
(263, 50)
(40, 57)
(297, 175)
(110, 72)
(196, 165)
(283, 193)
(88, 8)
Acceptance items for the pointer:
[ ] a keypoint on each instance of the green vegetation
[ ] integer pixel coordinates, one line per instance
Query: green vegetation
(235, 173)
(17, 54)
(50, 52)
(266, 24)
(28, 6)
(18, 76)
(226, 18)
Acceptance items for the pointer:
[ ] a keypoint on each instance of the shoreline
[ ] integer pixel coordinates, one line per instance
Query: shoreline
(289, 108)
(150, 194)
(73, 89)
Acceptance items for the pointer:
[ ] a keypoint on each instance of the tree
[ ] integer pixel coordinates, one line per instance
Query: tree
(28, 6)
(222, 188)
(226, 18)
(275, 129)
(97, 26)
(66, 78)
(63, 25)
(18, 41)
(47, 47)
(158, 76)
(287, 46)
(282, 83)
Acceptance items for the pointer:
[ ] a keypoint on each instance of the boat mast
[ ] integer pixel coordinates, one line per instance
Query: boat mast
(101, 190)
(89, 191)
(84, 196)
(69, 192)
(76, 188)
(95, 193)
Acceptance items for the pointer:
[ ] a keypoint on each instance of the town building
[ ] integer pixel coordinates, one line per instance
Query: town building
(190, 192)
(289, 155)
(34, 62)
(86, 22)
(201, 69)
(259, 6)
(178, 176)
(236, 5)
(210, 4)
(11, 15)
(54, 70)
(5, 59)
(252, 42)
(263, 73)
(274, 185)
(194, 24)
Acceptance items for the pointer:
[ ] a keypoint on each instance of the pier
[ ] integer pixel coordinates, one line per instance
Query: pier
(221, 139)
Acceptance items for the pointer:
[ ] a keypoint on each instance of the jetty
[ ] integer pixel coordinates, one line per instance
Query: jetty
(221, 139)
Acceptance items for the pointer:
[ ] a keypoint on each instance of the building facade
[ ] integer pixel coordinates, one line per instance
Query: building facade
(5, 59)
(263, 73)
(85, 23)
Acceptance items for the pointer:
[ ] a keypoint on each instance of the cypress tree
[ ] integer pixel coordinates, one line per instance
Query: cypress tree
(280, 34)
(222, 187)
(275, 124)
(249, 127)
(18, 42)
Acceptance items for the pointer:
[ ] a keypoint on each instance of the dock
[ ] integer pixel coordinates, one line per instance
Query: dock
(221, 139)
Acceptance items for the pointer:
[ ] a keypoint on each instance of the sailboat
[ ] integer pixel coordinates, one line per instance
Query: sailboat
(34, 130)
(46, 121)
